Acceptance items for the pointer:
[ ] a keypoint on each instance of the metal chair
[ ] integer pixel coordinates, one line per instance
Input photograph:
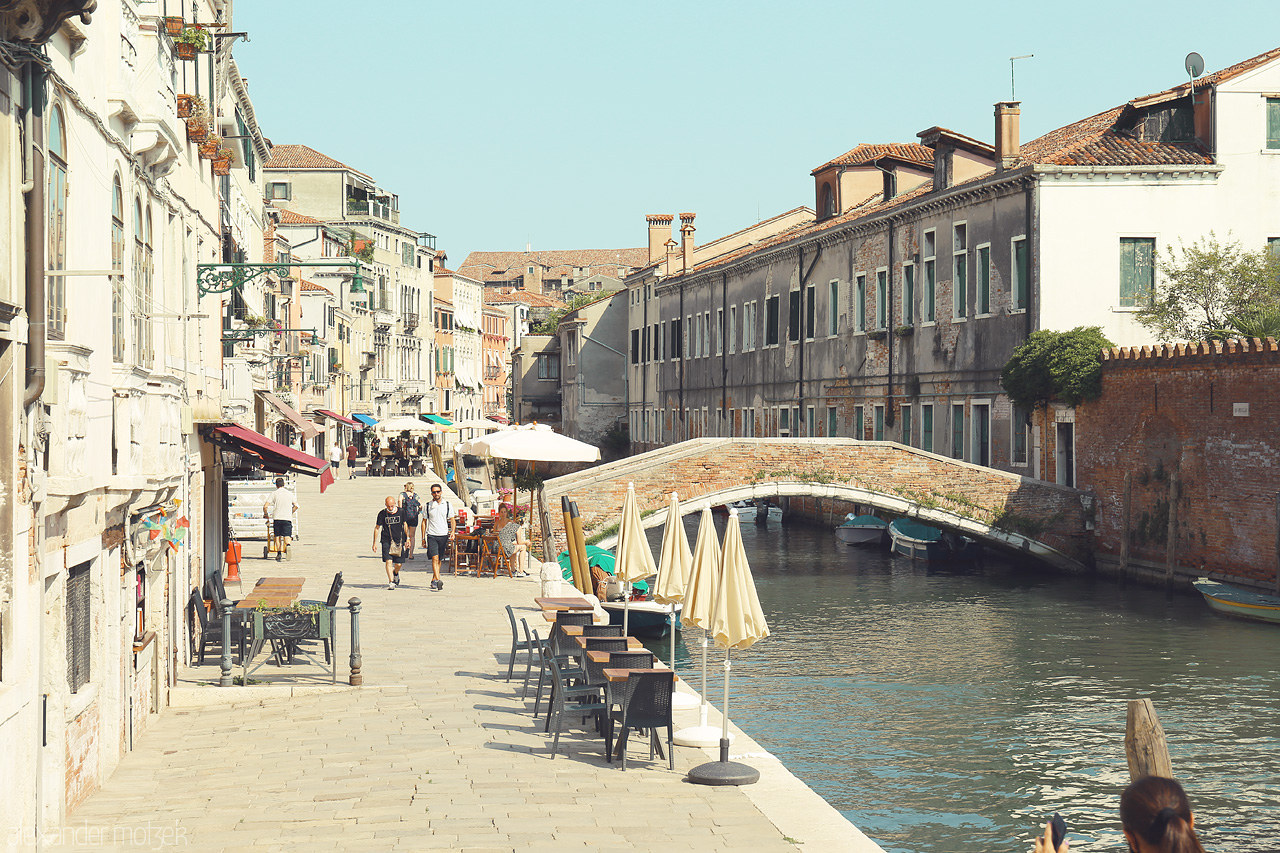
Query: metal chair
(646, 704)
(595, 671)
(563, 691)
(330, 602)
(211, 624)
(535, 645)
(517, 645)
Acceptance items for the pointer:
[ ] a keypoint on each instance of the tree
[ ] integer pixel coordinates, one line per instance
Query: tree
(1208, 288)
(1048, 365)
(550, 325)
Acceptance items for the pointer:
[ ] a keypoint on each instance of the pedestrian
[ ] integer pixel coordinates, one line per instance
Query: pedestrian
(412, 507)
(280, 507)
(352, 453)
(392, 531)
(511, 537)
(437, 532)
(1155, 815)
(335, 458)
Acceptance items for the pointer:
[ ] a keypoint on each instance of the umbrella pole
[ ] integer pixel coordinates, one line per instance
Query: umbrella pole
(626, 611)
(724, 711)
(724, 771)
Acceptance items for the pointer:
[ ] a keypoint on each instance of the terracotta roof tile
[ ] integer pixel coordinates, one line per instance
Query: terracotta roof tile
(502, 266)
(1101, 140)
(289, 217)
(305, 157)
(528, 297)
(1215, 78)
(865, 153)
(312, 287)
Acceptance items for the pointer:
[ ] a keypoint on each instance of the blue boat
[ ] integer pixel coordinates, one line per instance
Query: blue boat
(645, 618)
(863, 530)
(922, 542)
(1240, 603)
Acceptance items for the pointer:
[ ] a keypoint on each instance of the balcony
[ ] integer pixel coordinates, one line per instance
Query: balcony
(384, 387)
(373, 209)
(409, 319)
(368, 361)
(383, 319)
(412, 389)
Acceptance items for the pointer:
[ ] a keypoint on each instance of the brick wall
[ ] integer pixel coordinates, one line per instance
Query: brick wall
(82, 756)
(1170, 410)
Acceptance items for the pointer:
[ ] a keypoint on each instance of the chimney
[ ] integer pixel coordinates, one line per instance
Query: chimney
(686, 240)
(659, 234)
(671, 246)
(1007, 114)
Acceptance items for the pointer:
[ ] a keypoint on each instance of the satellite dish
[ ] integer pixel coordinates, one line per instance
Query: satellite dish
(1194, 64)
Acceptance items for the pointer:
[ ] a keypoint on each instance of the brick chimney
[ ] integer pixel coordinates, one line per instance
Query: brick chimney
(1007, 115)
(686, 240)
(659, 234)
(672, 247)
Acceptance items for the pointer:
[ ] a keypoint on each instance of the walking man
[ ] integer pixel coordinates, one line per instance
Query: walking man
(412, 507)
(394, 532)
(437, 532)
(352, 453)
(280, 507)
(335, 459)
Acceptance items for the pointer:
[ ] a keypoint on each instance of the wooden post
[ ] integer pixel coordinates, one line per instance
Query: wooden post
(1171, 538)
(1144, 745)
(1126, 510)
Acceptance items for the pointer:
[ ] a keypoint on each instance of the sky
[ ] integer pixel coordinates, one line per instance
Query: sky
(561, 125)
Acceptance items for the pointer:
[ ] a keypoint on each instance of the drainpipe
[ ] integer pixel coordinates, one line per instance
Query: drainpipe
(724, 349)
(684, 333)
(889, 335)
(35, 236)
(804, 280)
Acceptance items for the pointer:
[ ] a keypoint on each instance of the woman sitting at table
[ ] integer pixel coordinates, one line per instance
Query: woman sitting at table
(511, 537)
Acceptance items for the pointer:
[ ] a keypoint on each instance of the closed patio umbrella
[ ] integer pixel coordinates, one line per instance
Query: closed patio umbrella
(634, 559)
(673, 575)
(699, 599)
(737, 623)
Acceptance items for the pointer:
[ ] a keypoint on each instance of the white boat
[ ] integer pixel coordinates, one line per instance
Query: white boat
(863, 530)
(750, 511)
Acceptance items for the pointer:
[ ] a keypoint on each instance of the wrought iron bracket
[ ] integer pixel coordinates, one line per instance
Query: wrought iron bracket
(249, 334)
(222, 278)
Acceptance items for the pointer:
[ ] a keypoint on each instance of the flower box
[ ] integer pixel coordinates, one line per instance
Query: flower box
(222, 165)
(184, 50)
(290, 624)
(186, 105)
(173, 25)
(208, 149)
(197, 130)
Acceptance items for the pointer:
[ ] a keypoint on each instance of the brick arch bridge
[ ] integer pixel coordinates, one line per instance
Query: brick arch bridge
(1043, 520)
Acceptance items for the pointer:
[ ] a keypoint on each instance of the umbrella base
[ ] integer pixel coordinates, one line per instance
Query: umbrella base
(703, 736)
(684, 701)
(723, 772)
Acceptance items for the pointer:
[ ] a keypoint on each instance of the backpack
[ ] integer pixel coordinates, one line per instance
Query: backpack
(412, 509)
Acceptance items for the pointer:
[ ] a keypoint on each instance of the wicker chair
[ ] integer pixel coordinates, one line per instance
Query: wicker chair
(646, 704)
(518, 645)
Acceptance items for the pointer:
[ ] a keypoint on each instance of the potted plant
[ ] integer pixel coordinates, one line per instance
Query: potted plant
(190, 105)
(222, 161)
(190, 41)
(294, 622)
(173, 25)
(209, 148)
(197, 130)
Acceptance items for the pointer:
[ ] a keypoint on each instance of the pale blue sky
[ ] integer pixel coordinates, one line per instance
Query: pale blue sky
(563, 124)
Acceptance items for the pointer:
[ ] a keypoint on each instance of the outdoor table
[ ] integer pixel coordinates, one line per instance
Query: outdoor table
(564, 603)
(465, 559)
(266, 594)
(281, 582)
(633, 645)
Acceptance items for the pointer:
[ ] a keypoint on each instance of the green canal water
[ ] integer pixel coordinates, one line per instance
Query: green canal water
(954, 711)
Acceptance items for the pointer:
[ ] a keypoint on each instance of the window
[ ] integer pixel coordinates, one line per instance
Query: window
(706, 334)
(659, 341)
(810, 311)
(960, 273)
(904, 417)
(56, 203)
(795, 420)
(750, 322)
(981, 434)
(1021, 275)
(771, 320)
(644, 345)
(749, 423)
(571, 348)
(690, 343)
(811, 421)
(793, 316)
(548, 366)
(831, 420)
(117, 266)
(148, 293)
(733, 328)
(926, 427)
(878, 423)
(137, 285)
(930, 277)
(882, 299)
(858, 427)
(957, 431)
(784, 422)
(983, 292)
(79, 622)
(1137, 271)
(833, 308)
(1273, 247)
(1019, 435)
(279, 190)
(860, 304)
(719, 331)
(677, 339)
(1273, 123)
(529, 271)
(908, 294)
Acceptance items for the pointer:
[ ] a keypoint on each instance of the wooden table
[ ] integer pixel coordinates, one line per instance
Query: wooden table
(616, 675)
(564, 603)
(633, 645)
(298, 582)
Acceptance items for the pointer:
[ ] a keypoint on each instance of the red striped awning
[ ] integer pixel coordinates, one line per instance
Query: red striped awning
(339, 418)
(304, 426)
(272, 456)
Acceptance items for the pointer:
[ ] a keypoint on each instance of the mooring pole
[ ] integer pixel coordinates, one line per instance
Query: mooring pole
(1145, 746)
(1125, 510)
(224, 680)
(1171, 539)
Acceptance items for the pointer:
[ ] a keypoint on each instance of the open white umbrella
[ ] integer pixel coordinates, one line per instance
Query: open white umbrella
(737, 623)
(673, 575)
(483, 424)
(699, 602)
(413, 426)
(633, 561)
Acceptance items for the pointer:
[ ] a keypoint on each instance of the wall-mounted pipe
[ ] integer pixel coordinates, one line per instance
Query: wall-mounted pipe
(37, 311)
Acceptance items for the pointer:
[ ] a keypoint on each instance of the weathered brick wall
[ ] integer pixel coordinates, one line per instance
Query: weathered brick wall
(696, 470)
(82, 756)
(1170, 409)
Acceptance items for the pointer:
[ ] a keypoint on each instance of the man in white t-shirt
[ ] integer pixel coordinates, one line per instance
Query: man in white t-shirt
(280, 507)
(437, 532)
(335, 460)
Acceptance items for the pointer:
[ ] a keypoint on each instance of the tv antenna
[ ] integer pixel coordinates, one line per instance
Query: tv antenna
(1013, 96)
(1194, 63)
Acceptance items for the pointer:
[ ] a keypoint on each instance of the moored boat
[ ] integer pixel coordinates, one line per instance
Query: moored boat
(863, 530)
(645, 619)
(1240, 603)
(922, 542)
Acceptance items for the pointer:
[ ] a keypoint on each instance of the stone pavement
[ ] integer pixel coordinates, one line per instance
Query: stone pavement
(436, 751)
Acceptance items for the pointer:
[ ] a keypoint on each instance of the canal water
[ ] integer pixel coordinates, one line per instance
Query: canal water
(954, 711)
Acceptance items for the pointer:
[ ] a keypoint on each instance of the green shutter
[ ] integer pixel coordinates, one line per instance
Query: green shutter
(984, 280)
(908, 295)
(1273, 123)
(862, 303)
(1137, 270)
(1022, 272)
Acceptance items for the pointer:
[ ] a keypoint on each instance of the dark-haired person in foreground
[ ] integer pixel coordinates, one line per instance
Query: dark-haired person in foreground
(1156, 816)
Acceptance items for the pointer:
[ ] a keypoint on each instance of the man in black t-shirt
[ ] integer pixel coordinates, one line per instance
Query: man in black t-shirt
(391, 524)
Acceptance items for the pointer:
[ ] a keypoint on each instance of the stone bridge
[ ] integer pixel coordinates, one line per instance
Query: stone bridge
(1044, 520)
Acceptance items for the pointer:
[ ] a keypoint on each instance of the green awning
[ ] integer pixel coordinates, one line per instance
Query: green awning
(436, 419)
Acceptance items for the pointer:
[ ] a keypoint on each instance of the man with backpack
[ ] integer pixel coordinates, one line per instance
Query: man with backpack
(412, 508)
(437, 532)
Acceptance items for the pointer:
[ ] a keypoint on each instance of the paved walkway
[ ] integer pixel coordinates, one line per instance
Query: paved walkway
(437, 750)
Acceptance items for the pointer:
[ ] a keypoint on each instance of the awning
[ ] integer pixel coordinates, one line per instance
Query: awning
(502, 419)
(436, 419)
(271, 456)
(304, 426)
(334, 416)
(365, 419)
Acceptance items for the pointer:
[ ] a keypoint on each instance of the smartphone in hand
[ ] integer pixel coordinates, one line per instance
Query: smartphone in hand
(1059, 828)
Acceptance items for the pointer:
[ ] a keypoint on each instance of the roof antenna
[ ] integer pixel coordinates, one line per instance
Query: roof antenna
(1013, 96)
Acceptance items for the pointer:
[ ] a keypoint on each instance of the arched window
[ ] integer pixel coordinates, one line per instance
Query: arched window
(117, 266)
(56, 204)
(135, 285)
(827, 203)
(148, 291)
